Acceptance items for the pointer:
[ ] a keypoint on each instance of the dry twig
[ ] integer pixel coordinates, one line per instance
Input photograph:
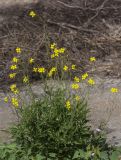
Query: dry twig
(97, 13)
(70, 26)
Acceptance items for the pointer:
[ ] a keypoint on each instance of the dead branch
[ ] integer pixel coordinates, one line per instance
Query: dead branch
(87, 8)
(75, 7)
(97, 13)
(98, 9)
(70, 26)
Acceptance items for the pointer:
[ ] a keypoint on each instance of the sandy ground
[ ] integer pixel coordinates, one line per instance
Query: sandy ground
(101, 102)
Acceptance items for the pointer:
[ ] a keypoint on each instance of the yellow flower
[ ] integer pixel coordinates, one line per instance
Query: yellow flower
(65, 68)
(76, 79)
(53, 69)
(68, 105)
(13, 67)
(31, 60)
(74, 86)
(92, 59)
(6, 99)
(18, 50)
(12, 75)
(16, 91)
(114, 90)
(50, 74)
(13, 87)
(32, 14)
(56, 51)
(52, 46)
(25, 79)
(56, 54)
(84, 76)
(61, 50)
(15, 60)
(52, 55)
(91, 81)
(41, 70)
(14, 101)
(73, 67)
(77, 98)
(35, 69)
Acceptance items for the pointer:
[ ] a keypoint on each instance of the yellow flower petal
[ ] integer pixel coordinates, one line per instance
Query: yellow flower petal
(31, 60)
(84, 76)
(12, 75)
(14, 101)
(114, 90)
(15, 60)
(25, 79)
(41, 70)
(92, 59)
(75, 86)
(18, 50)
(65, 68)
(6, 99)
(77, 98)
(32, 14)
(91, 81)
(73, 67)
(13, 67)
(68, 105)
(76, 79)
(35, 69)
